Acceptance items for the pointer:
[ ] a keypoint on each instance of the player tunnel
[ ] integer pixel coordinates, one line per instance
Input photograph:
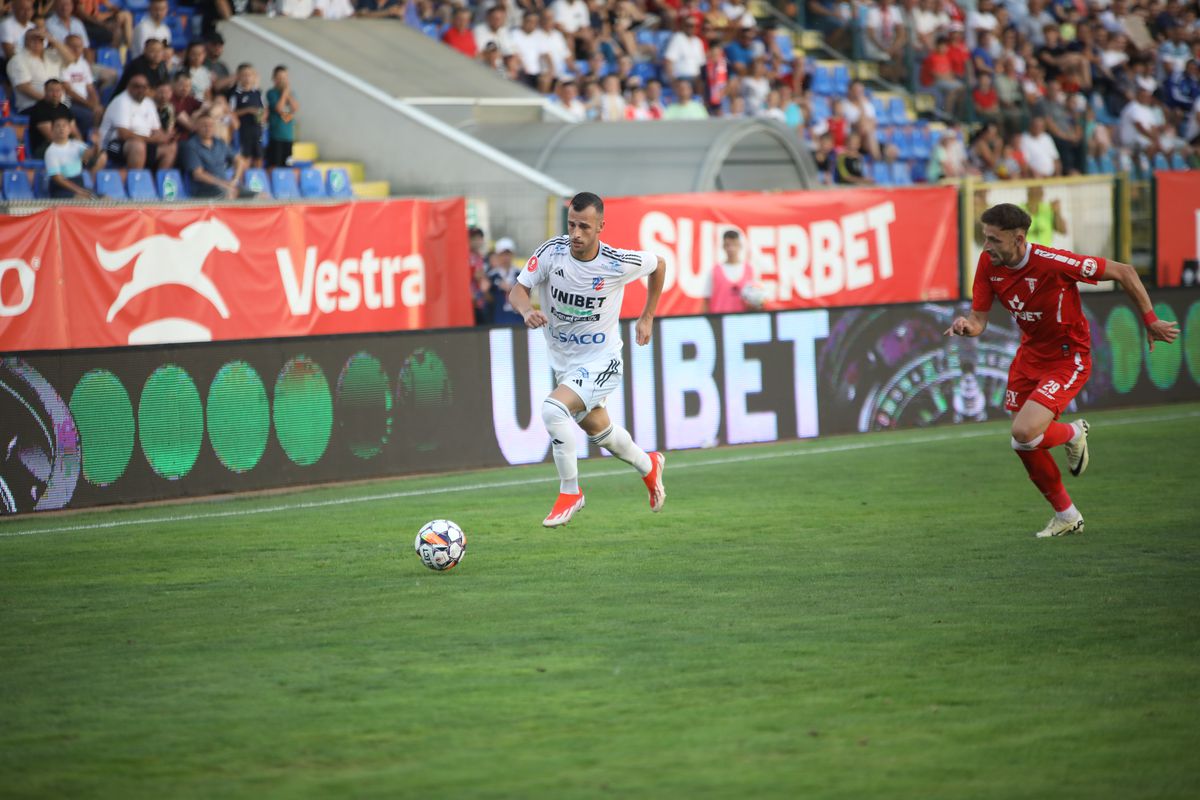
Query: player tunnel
(667, 156)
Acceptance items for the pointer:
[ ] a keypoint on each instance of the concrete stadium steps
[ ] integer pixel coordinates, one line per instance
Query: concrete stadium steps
(305, 151)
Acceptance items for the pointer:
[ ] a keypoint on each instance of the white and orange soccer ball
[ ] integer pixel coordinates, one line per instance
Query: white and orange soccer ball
(441, 544)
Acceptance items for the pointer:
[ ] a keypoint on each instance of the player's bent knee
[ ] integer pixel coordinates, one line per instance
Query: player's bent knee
(554, 413)
(1024, 444)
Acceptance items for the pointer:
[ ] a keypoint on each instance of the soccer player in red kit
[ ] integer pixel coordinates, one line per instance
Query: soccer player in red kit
(1037, 285)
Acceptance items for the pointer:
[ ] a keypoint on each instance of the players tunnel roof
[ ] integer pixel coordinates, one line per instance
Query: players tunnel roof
(636, 158)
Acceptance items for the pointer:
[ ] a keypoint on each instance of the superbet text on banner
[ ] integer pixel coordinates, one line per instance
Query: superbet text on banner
(99, 278)
(808, 249)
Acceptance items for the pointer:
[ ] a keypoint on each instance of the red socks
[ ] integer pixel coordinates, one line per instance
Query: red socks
(1044, 472)
(1058, 433)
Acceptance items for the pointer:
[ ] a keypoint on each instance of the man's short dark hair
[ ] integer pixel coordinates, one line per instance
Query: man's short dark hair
(279, 69)
(1006, 217)
(583, 200)
(730, 234)
(51, 81)
(245, 65)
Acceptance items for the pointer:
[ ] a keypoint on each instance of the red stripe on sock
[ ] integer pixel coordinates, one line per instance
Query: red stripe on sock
(1046, 477)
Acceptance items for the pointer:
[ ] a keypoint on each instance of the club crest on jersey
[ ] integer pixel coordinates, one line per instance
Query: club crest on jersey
(531, 265)
(1089, 267)
(1032, 283)
(597, 284)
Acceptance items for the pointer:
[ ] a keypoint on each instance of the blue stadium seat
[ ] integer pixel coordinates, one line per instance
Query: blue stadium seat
(17, 185)
(134, 6)
(582, 67)
(1178, 162)
(140, 184)
(645, 38)
(822, 109)
(1161, 164)
(169, 183)
(646, 70)
(922, 145)
(901, 174)
(431, 29)
(903, 140)
(841, 79)
(256, 180)
(284, 185)
(1092, 166)
(787, 48)
(1107, 166)
(110, 184)
(919, 170)
(822, 81)
(880, 173)
(8, 144)
(337, 183)
(312, 184)
(179, 36)
(898, 111)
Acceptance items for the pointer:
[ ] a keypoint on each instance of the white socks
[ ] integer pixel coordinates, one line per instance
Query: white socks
(561, 427)
(617, 441)
(1068, 514)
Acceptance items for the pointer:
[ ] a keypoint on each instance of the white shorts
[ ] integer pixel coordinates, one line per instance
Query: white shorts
(593, 382)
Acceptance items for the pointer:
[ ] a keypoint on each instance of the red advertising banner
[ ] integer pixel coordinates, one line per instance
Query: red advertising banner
(1177, 205)
(806, 249)
(99, 277)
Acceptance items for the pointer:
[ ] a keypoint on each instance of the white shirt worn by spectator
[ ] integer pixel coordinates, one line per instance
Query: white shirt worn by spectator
(853, 112)
(24, 68)
(1132, 114)
(202, 81)
(754, 92)
(123, 112)
(571, 15)
(73, 27)
(529, 48)
(148, 29)
(1040, 153)
(334, 9)
(65, 159)
(883, 25)
(927, 23)
(979, 21)
(686, 54)
(554, 44)
(13, 32)
(502, 38)
(78, 76)
(296, 9)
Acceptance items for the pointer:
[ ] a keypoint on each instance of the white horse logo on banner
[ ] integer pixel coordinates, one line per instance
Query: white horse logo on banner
(160, 259)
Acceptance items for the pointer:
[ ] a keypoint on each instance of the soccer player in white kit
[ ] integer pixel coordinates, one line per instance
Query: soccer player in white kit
(581, 282)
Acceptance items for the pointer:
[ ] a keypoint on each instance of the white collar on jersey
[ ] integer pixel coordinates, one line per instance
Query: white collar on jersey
(1024, 260)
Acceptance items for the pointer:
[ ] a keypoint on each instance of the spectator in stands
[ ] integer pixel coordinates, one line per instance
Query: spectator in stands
(29, 69)
(716, 76)
(380, 9)
(724, 281)
(333, 9)
(1032, 27)
(503, 275)
(638, 108)
(1191, 126)
(755, 87)
(296, 9)
(574, 20)
(1139, 125)
(1046, 219)
(222, 79)
(199, 75)
(985, 99)
(62, 22)
(66, 159)
(42, 115)
(742, 51)
(282, 108)
(987, 151)
(929, 21)
(1041, 154)
(206, 158)
(186, 105)
(567, 98)
(886, 39)
(555, 46)
(1063, 129)
(107, 24)
(654, 97)
(247, 104)
(825, 158)
(80, 88)
(494, 28)
(528, 43)
(131, 132)
(481, 286)
(225, 123)
(151, 65)
(459, 35)
(612, 102)
(831, 18)
(152, 26)
(14, 27)
(937, 74)
(164, 103)
(859, 110)
(851, 169)
(686, 106)
(979, 20)
(684, 56)
(1008, 93)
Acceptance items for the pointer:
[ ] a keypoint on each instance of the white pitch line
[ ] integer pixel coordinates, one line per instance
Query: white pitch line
(474, 487)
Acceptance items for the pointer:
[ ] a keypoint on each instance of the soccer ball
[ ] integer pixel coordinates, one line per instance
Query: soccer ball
(754, 295)
(441, 544)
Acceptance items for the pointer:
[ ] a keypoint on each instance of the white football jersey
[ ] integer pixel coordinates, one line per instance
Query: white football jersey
(582, 299)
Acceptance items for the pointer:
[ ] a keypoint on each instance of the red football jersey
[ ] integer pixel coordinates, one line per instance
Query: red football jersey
(1042, 296)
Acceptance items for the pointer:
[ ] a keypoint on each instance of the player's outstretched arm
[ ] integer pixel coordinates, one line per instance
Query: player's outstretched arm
(518, 298)
(645, 323)
(1157, 330)
(972, 325)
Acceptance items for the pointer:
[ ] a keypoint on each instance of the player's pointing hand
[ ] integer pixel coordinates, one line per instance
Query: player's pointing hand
(1162, 330)
(957, 328)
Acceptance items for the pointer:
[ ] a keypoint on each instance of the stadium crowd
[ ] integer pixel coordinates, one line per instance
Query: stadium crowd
(1020, 88)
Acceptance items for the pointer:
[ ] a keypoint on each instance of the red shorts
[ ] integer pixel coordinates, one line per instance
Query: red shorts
(1052, 384)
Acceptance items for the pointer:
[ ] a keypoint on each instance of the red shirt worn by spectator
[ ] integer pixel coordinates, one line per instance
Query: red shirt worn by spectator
(986, 101)
(462, 41)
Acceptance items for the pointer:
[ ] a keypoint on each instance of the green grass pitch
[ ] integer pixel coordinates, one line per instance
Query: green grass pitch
(850, 617)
